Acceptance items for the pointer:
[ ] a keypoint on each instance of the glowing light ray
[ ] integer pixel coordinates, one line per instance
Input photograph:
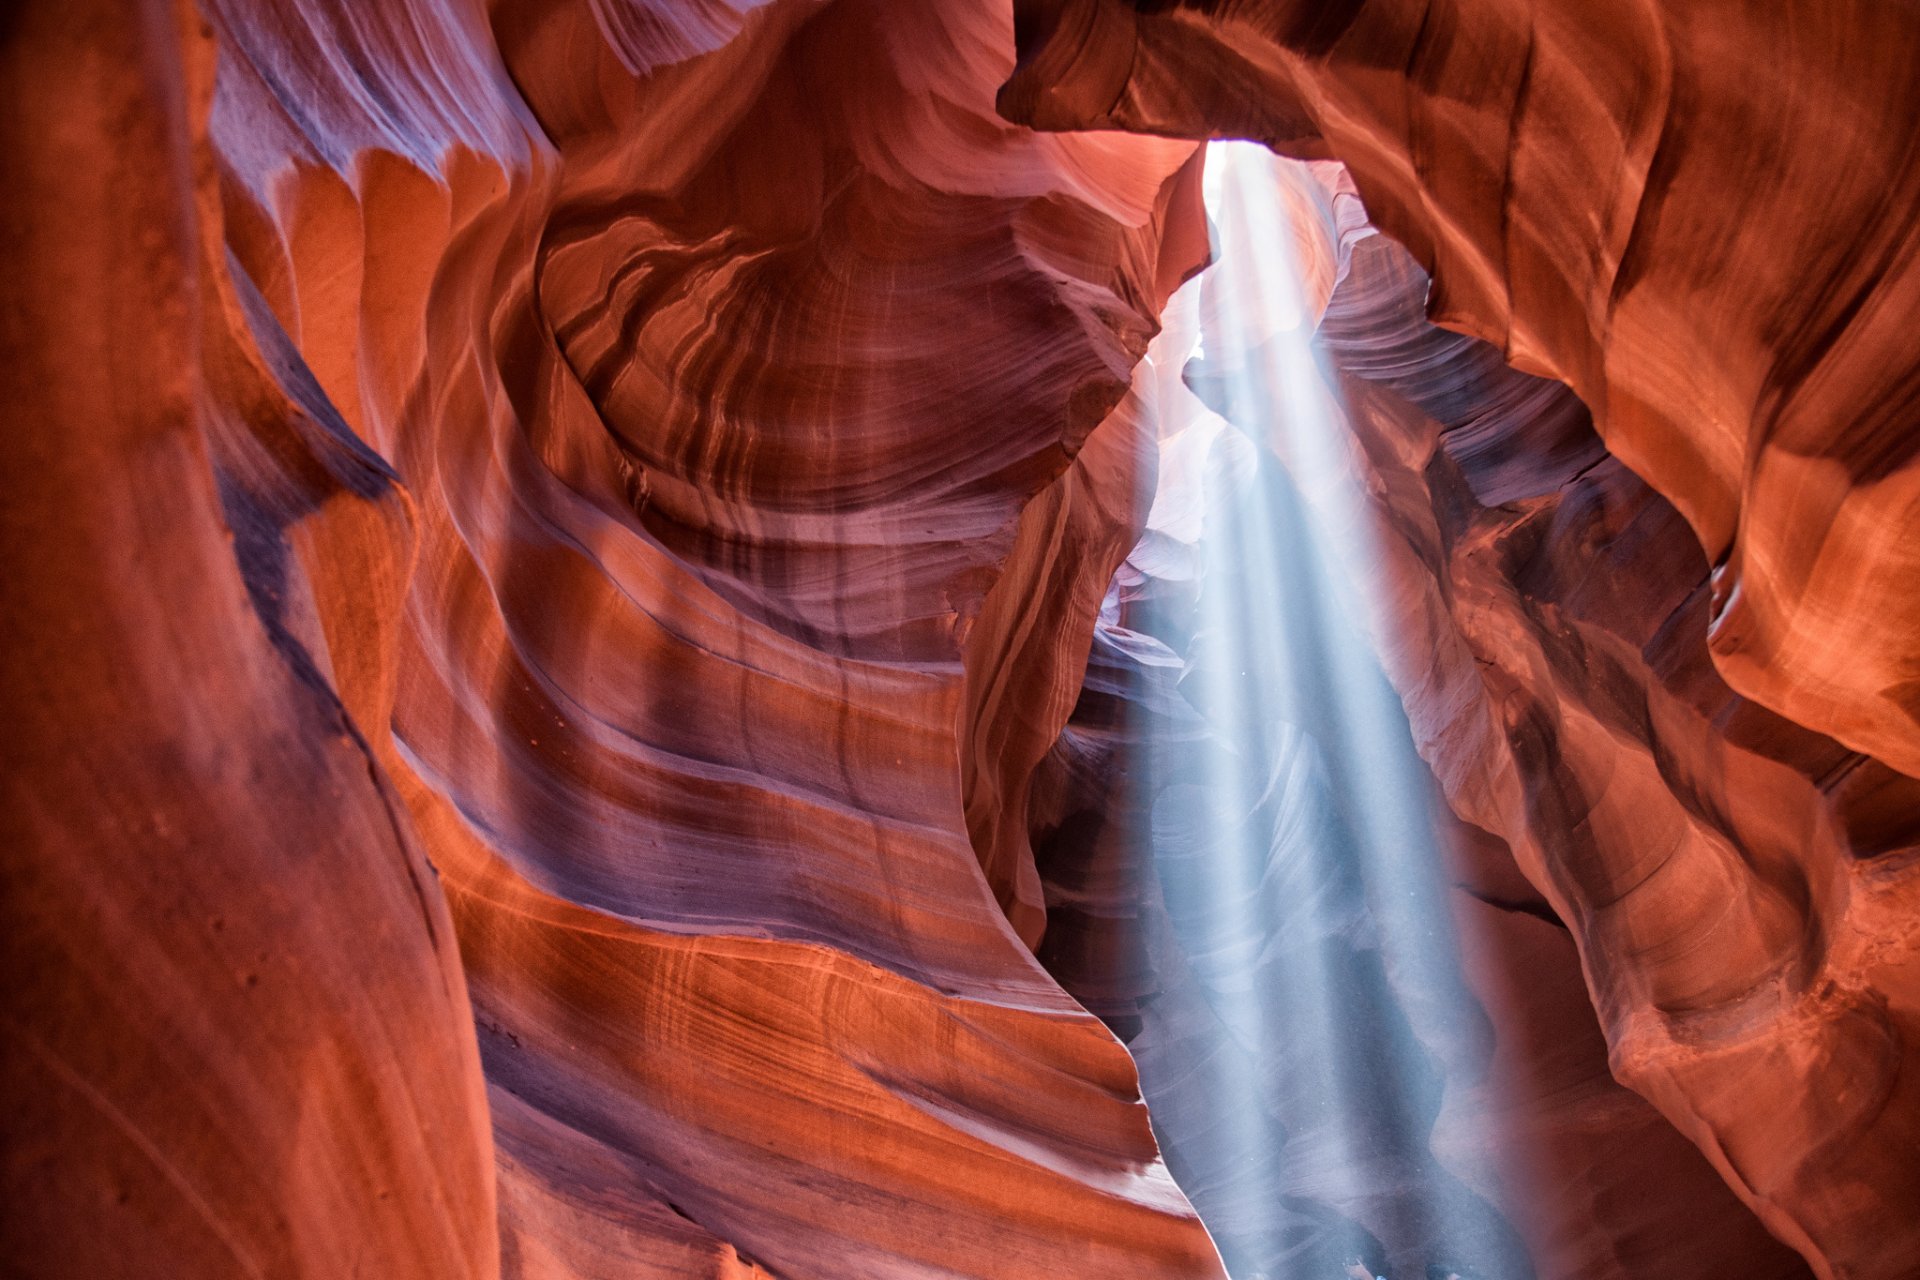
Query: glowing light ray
(1293, 837)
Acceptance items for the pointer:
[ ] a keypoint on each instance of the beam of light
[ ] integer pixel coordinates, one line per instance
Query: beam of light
(1291, 827)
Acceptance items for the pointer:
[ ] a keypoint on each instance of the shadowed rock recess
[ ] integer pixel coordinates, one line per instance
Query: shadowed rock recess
(578, 692)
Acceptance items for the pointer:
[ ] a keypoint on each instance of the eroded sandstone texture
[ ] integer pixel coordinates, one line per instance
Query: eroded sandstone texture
(546, 551)
(1509, 1121)
(591, 511)
(1700, 217)
(1701, 220)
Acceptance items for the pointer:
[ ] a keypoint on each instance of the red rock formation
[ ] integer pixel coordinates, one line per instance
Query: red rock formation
(1741, 889)
(576, 528)
(1697, 217)
(608, 449)
(1527, 1105)
(1466, 455)
(237, 1039)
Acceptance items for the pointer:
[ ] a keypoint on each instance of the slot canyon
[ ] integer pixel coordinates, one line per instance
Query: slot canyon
(938, 639)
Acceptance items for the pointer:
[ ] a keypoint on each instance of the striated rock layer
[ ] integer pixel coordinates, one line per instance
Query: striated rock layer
(561, 529)
(1742, 891)
(1506, 1100)
(1698, 217)
(548, 549)
(1701, 220)
(1507, 1107)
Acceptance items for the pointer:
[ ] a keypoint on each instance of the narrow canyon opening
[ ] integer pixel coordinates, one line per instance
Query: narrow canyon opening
(1338, 994)
(982, 640)
(1314, 1020)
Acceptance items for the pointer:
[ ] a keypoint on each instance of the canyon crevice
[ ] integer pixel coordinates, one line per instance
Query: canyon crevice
(592, 607)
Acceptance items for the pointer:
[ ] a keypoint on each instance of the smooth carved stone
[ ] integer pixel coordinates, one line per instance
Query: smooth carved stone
(659, 462)
(1522, 1131)
(1698, 217)
(237, 1040)
(1738, 943)
(1700, 221)
(578, 527)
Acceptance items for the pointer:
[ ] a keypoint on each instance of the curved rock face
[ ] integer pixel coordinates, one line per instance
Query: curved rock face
(237, 1039)
(1698, 217)
(657, 463)
(548, 548)
(1511, 1146)
(1741, 888)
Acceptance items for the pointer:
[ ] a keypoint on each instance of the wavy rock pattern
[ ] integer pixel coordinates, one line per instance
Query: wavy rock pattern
(1698, 217)
(1511, 1094)
(575, 530)
(1741, 888)
(612, 450)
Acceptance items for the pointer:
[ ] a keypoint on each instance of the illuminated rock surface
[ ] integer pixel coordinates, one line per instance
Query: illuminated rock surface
(1701, 219)
(1698, 216)
(547, 551)
(1509, 1090)
(1742, 890)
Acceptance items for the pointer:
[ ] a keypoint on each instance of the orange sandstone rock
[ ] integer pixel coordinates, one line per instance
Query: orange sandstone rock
(579, 446)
